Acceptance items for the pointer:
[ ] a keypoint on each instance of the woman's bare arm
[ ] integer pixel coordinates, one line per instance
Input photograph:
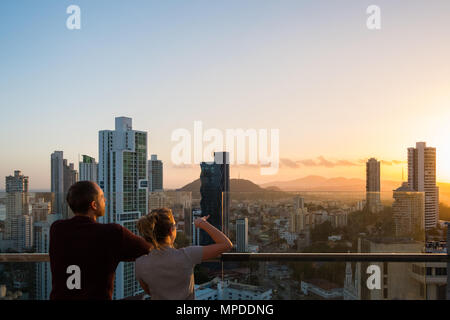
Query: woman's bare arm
(144, 286)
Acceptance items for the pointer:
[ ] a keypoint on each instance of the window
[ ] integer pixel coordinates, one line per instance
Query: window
(441, 271)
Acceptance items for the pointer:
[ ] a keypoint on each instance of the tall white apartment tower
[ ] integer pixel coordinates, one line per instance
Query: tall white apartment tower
(122, 174)
(242, 235)
(422, 178)
(43, 284)
(19, 222)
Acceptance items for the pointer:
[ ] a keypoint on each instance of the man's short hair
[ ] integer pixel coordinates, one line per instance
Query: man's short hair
(81, 195)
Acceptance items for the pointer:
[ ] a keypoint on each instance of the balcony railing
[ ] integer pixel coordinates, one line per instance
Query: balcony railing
(295, 257)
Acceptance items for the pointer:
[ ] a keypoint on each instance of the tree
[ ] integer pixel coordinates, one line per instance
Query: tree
(322, 232)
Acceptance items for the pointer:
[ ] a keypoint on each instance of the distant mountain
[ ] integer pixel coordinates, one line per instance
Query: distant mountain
(318, 183)
(236, 185)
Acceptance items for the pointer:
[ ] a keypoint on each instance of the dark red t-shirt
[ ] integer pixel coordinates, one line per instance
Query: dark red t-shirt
(97, 249)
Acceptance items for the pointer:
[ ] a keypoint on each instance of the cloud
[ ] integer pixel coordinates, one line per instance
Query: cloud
(345, 163)
(390, 163)
(318, 162)
(288, 163)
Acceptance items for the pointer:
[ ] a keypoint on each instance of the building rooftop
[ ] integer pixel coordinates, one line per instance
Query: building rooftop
(323, 284)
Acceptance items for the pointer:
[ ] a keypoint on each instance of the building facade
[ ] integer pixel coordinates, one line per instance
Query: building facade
(299, 216)
(63, 175)
(373, 201)
(196, 213)
(122, 175)
(242, 235)
(43, 284)
(19, 222)
(408, 212)
(215, 194)
(422, 178)
(155, 174)
(88, 169)
(218, 289)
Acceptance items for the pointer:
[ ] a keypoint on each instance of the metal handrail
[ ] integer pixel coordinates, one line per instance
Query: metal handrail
(298, 257)
(338, 257)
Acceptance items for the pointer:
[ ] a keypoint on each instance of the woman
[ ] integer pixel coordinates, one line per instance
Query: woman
(166, 272)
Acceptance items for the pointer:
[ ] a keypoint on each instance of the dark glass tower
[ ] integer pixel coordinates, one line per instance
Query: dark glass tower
(214, 190)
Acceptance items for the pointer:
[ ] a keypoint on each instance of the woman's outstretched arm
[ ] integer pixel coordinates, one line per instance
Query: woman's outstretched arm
(222, 243)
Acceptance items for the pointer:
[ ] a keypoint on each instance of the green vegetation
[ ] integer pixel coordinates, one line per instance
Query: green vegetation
(322, 232)
(379, 224)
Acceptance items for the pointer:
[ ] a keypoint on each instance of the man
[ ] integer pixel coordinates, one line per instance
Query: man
(84, 254)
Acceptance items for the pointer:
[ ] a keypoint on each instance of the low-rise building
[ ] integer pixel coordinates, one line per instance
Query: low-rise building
(218, 289)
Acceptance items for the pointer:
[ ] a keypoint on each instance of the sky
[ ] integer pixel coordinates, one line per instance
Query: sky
(338, 92)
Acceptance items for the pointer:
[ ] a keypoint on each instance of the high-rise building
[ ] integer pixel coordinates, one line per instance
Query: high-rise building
(408, 212)
(373, 201)
(214, 190)
(88, 169)
(17, 182)
(122, 174)
(196, 213)
(63, 175)
(422, 178)
(157, 200)
(43, 285)
(18, 224)
(155, 174)
(299, 216)
(40, 210)
(242, 235)
(397, 280)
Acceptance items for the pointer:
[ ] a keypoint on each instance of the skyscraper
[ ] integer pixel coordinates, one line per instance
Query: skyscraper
(63, 175)
(242, 235)
(214, 190)
(408, 212)
(122, 174)
(196, 213)
(155, 174)
(373, 201)
(40, 209)
(88, 169)
(19, 222)
(422, 178)
(43, 284)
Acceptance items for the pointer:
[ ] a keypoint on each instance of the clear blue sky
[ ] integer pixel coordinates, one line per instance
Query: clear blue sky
(309, 68)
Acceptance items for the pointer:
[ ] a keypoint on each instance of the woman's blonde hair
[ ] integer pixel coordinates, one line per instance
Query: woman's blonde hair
(156, 226)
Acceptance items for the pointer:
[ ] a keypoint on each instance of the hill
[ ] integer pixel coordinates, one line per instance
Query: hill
(236, 185)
